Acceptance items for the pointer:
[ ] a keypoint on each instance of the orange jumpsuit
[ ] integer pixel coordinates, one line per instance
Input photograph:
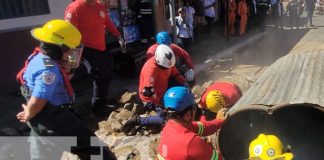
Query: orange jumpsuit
(242, 11)
(231, 16)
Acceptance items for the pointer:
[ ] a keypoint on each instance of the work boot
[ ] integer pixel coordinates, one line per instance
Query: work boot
(132, 125)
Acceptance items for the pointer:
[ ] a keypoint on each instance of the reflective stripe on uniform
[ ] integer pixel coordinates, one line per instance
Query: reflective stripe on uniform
(144, 13)
(214, 156)
(201, 128)
(160, 157)
(145, 10)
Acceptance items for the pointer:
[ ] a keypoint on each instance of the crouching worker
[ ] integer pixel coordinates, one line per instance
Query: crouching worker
(269, 147)
(220, 96)
(153, 84)
(47, 89)
(183, 63)
(180, 138)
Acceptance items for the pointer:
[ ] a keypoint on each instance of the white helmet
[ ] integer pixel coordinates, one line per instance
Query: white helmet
(164, 56)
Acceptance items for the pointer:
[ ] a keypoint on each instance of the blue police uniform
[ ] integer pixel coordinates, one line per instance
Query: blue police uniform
(44, 80)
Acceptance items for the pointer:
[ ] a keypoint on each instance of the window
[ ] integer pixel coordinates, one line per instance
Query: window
(23, 8)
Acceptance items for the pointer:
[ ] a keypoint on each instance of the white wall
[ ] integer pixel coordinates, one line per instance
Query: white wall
(57, 8)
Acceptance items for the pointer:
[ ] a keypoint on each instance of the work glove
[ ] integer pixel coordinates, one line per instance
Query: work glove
(122, 43)
(131, 126)
(148, 91)
(189, 75)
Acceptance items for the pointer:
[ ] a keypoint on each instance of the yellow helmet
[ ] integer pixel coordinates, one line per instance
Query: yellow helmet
(215, 101)
(268, 147)
(59, 32)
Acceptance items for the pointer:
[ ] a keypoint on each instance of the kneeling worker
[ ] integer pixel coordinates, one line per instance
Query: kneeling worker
(180, 138)
(153, 84)
(220, 95)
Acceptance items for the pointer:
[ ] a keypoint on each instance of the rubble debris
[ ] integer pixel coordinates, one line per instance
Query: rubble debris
(153, 150)
(129, 97)
(115, 121)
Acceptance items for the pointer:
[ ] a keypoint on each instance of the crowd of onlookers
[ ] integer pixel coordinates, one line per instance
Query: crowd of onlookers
(196, 17)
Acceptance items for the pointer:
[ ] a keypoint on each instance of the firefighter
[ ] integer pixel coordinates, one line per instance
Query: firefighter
(220, 95)
(46, 87)
(231, 17)
(90, 17)
(242, 10)
(269, 147)
(153, 83)
(263, 7)
(183, 59)
(180, 138)
(144, 12)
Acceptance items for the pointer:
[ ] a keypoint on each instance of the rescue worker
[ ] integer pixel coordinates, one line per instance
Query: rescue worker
(220, 95)
(242, 10)
(90, 17)
(183, 59)
(310, 7)
(277, 13)
(269, 147)
(263, 7)
(209, 13)
(180, 138)
(293, 12)
(231, 17)
(144, 12)
(47, 89)
(153, 83)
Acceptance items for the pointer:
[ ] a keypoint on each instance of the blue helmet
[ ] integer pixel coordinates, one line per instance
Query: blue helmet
(178, 98)
(163, 38)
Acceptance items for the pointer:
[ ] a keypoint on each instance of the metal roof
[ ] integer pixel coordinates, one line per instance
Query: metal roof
(294, 78)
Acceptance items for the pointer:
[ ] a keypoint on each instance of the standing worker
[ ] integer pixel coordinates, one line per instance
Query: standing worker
(184, 29)
(293, 12)
(263, 7)
(231, 17)
(144, 12)
(183, 63)
(310, 7)
(209, 13)
(242, 10)
(47, 89)
(220, 95)
(153, 84)
(90, 17)
(180, 138)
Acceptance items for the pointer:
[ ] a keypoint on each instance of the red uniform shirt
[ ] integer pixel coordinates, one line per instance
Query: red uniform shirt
(178, 52)
(91, 20)
(181, 143)
(230, 91)
(158, 78)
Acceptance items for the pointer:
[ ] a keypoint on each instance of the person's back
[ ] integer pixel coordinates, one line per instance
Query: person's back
(157, 77)
(230, 91)
(90, 20)
(180, 138)
(174, 135)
